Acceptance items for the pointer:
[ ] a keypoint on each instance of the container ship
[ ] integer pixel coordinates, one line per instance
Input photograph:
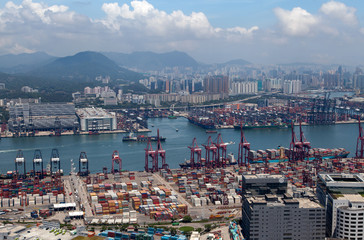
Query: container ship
(270, 125)
(142, 138)
(230, 161)
(203, 122)
(281, 154)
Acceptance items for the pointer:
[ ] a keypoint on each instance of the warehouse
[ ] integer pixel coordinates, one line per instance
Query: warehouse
(96, 119)
(42, 117)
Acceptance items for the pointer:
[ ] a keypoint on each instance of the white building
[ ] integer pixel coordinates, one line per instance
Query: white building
(273, 84)
(292, 86)
(342, 195)
(92, 118)
(246, 87)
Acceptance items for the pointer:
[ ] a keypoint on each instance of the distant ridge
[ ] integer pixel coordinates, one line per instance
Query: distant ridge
(18, 63)
(236, 62)
(150, 61)
(84, 66)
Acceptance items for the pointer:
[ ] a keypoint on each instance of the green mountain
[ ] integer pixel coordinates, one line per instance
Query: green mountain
(149, 61)
(84, 66)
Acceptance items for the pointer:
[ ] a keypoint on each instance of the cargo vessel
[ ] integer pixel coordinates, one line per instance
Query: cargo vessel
(281, 154)
(203, 122)
(230, 161)
(142, 138)
(270, 126)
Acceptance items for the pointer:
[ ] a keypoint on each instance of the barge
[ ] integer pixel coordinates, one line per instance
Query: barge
(142, 138)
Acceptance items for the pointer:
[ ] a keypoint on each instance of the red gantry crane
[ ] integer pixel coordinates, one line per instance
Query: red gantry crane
(244, 148)
(295, 147)
(305, 144)
(210, 158)
(116, 160)
(221, 152)
(149, 152)
(160, 152)
(195, 150)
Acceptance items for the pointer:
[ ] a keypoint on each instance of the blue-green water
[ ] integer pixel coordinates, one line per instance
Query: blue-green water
(99, 148)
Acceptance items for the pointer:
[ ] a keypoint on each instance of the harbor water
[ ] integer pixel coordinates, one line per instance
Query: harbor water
(179, 133)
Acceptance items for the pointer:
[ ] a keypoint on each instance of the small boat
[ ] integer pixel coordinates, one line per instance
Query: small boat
(211, 131)
(176, 129)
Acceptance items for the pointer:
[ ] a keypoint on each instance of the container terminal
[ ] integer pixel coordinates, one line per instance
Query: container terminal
(209, 189)
(56, 119)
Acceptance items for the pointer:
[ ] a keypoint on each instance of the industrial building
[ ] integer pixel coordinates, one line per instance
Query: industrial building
(41, 117)
(272, 211)
(342, 194)
(95, 119)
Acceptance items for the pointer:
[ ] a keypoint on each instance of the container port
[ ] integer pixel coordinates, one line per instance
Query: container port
(208, 189)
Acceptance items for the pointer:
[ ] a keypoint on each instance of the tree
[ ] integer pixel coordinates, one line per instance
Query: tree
(187, 219)
(208, 227)
(173, 231)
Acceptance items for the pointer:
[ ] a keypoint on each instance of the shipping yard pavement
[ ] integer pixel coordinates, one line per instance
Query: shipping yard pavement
(75, 191)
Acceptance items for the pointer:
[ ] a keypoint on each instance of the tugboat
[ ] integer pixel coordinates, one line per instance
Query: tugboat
(172, 117)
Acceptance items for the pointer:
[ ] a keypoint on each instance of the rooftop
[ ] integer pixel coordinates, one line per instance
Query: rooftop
(281, 201)
(351, 197)
(93, 113)
(342, 180)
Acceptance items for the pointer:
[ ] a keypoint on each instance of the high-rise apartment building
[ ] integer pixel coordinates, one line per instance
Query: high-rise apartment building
(216, 84)
(292, 86)
(245, 87)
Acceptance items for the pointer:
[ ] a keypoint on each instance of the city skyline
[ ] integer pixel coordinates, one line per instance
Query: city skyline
(210, 31)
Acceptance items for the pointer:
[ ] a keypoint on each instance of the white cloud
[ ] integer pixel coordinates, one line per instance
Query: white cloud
(297, 22)
(17, 49)
(340, 11)
(141, 16)
(137, 25)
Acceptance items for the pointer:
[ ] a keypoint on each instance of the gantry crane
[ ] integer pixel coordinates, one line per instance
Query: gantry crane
(115, 158)
(210, 152)
(244, 147)
(195, 150)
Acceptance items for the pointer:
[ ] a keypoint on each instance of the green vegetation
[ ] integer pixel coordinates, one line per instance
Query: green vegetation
(187, 219)
(173, 231)
(208, 227)
(186, 229)
(67, 226)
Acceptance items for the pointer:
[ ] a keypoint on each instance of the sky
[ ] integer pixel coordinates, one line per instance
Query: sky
(211, 31)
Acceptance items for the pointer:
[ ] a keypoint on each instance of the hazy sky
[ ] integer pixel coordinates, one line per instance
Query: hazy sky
(260, 31)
